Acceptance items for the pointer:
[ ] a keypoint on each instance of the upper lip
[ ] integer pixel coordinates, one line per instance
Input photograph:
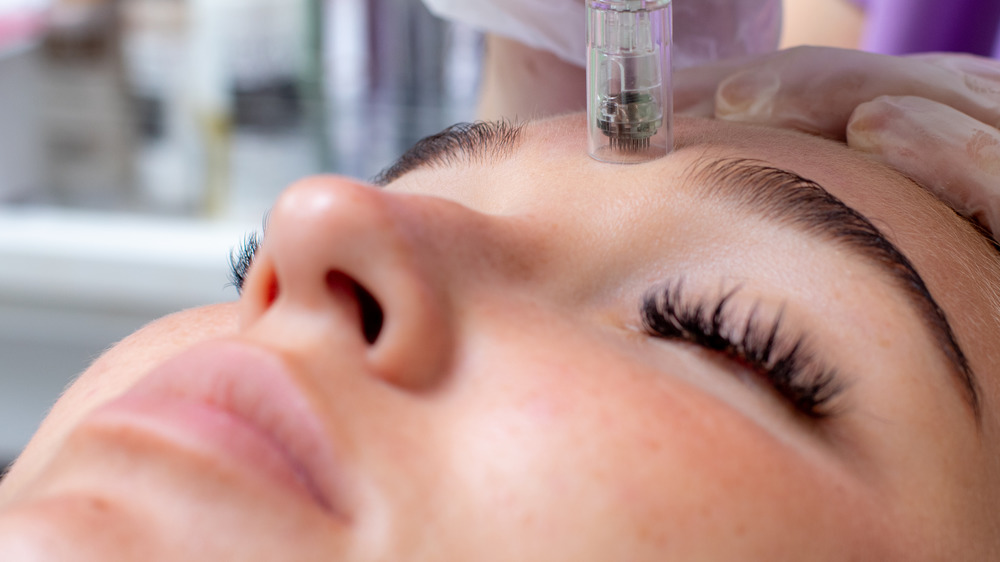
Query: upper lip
(257, 387)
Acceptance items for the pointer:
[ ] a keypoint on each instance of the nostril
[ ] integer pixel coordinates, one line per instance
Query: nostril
(370, 313)
(372, 316)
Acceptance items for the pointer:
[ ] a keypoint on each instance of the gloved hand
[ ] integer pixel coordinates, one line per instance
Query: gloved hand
(933, 117)
(954, 155)
(704, 30)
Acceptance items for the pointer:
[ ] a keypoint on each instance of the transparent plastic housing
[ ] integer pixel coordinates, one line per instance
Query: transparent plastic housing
(629, 96)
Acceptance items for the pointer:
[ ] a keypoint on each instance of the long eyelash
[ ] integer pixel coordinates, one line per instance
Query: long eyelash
(241, 258)
(785, 364)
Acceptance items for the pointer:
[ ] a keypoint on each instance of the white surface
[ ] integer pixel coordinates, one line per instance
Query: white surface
(72, 283)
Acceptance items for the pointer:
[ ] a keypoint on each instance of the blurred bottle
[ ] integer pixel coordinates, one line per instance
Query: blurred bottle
(154, 43)
(222, 88)
(252, 92)
(86, 111)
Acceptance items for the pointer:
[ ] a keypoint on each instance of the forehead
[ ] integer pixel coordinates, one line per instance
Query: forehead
(550, 169)
(551, 174)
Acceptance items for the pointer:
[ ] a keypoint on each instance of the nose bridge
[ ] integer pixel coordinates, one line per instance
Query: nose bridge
(323, 225)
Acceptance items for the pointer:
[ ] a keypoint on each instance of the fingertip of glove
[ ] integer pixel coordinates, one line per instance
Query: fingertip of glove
(871, 122)
(747, 96)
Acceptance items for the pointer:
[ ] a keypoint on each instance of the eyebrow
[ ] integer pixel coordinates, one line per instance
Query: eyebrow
(773, 194)
(481, 142)
(777, 195)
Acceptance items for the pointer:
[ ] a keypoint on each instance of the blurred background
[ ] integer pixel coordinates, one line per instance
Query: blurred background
(140, 140)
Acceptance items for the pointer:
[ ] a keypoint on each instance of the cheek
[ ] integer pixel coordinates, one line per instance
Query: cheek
(586, 449)
(111, 374)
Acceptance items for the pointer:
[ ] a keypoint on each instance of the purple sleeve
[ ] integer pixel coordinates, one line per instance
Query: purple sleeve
(911, 26)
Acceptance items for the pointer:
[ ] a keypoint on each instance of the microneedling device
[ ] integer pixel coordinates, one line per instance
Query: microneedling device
(629, 95)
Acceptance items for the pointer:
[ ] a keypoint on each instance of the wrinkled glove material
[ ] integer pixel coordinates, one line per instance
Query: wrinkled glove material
(933, 116)
(704, 30)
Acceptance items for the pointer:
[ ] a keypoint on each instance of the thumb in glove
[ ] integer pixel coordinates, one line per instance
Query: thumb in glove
(951, 154)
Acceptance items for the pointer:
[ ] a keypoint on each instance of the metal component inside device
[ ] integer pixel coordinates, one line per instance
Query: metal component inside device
(629, 120)
(629, 97)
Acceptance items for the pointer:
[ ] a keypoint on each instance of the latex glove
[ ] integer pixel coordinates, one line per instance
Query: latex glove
(955, 156)
(933, 117)
(704, 30)
(556, 26)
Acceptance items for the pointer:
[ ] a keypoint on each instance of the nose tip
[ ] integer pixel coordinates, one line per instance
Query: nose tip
(331, 241)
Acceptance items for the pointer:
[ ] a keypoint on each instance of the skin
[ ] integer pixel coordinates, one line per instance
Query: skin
(511, 408)
(831, 23)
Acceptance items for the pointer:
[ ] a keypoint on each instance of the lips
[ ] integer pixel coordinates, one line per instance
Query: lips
(238, 405)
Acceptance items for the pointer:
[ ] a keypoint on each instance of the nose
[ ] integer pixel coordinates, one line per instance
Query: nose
(337, 262)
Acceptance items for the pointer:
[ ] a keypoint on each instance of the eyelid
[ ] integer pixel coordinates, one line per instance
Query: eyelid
(784, 360)
(781, 196)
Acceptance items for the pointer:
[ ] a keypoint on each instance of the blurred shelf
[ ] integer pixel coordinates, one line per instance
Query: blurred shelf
(111, 261)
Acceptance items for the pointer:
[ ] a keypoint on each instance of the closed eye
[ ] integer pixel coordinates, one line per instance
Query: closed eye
(796, 375)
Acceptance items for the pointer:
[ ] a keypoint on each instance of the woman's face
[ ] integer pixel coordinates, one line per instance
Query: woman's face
(459, 367)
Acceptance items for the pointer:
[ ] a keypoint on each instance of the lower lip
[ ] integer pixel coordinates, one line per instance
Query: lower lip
(209, 433)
